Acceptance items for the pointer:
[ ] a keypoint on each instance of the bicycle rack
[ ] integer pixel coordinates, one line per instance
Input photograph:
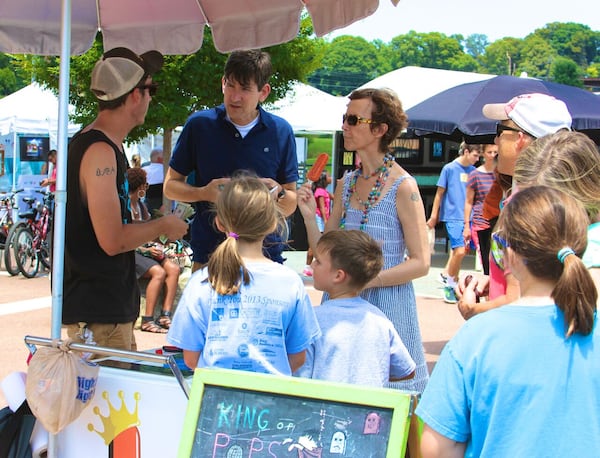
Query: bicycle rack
(169, 360)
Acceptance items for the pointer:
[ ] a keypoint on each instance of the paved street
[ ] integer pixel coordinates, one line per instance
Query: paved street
(25, 309)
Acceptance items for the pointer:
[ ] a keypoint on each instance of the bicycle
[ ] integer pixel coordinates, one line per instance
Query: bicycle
(6, 218)
(33, 242)
(9, 222)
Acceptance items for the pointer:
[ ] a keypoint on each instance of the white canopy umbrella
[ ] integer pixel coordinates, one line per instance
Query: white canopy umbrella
(172, 27)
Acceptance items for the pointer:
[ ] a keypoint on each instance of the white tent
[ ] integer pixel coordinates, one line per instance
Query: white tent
(29, 111)
(309, 109)
(32, 110)
(415, 84)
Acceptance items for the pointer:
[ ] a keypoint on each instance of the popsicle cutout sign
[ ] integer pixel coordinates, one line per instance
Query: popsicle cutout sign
(317, 169)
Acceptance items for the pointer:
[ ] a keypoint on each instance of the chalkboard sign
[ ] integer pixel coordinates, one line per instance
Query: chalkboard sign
(235, 414)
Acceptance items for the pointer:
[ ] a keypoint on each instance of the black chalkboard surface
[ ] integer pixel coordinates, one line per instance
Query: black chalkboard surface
(235, 414)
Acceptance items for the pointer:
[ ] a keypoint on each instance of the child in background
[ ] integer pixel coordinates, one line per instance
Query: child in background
(323, 199)
(477, 229)
(244, 311)
(359, 344)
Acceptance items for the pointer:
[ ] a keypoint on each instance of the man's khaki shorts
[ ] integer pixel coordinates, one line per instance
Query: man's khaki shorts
(113, 335)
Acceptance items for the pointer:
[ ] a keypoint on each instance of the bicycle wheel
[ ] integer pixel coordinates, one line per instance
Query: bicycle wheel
(10, 262)
(25, 254)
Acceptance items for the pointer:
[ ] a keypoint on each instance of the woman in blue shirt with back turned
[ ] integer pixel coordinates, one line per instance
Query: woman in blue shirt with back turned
(524, 379)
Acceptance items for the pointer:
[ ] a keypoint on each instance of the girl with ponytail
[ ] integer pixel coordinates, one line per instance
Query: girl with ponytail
(524, 379)
(244, 311)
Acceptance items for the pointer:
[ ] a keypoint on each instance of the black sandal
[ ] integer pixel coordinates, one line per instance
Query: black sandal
(151, 326)
(164, 320)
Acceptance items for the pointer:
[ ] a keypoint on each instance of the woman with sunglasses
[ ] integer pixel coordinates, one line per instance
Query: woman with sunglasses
(567, 161)
(382, 199)
(524, 379)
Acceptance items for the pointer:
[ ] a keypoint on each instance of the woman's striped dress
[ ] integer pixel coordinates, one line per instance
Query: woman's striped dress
(397, 302)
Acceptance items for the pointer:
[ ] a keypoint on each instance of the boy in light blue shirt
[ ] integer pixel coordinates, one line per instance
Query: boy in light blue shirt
(359, 344)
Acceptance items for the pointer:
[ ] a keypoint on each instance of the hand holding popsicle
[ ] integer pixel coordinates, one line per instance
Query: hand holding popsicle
(305, 198)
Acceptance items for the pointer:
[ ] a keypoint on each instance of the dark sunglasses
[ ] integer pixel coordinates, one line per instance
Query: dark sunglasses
(353, 120)
(501, 128)
(152, 88)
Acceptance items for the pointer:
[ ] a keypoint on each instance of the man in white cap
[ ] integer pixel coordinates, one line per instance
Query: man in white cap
(101, 294)
(523, 119)
(520, 121)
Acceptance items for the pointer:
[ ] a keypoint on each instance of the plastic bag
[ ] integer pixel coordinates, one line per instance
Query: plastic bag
(60, 384)
(431, 239)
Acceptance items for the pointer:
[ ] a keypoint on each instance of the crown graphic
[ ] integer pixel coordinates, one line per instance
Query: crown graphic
(116, 421)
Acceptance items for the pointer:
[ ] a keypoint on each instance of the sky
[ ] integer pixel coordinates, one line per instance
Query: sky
(496, 19)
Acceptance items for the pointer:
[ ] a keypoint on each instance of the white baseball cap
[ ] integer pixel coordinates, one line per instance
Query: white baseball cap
(537, 114)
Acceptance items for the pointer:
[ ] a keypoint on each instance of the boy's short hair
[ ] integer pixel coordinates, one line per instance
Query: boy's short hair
(354, 252)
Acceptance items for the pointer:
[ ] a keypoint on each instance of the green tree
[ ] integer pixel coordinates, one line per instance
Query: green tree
(573, 41)
(502, 56)
(11, 79)
(433, 50)
(593, 71)
(536, 57)
(349, 62)
(565, 71)
(475, 45)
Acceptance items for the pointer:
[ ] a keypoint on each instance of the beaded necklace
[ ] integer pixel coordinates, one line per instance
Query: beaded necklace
(383, 172)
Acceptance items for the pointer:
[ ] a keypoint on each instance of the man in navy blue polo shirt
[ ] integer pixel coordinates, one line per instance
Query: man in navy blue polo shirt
(237, 135)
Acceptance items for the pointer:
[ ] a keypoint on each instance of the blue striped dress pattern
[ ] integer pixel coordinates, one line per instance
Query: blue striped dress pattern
(398, 302)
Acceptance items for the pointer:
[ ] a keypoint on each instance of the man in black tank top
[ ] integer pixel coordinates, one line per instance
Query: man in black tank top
(100, 288)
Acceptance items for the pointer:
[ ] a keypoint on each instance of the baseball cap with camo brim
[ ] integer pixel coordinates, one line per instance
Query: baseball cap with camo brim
(537, 114)
(120, 70)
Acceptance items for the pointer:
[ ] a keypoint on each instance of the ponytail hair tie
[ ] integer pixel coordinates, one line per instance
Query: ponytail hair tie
(233, 234)
(563, 253)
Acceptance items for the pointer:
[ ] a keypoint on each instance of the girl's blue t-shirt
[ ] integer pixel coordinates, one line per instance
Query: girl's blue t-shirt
(253, 330)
